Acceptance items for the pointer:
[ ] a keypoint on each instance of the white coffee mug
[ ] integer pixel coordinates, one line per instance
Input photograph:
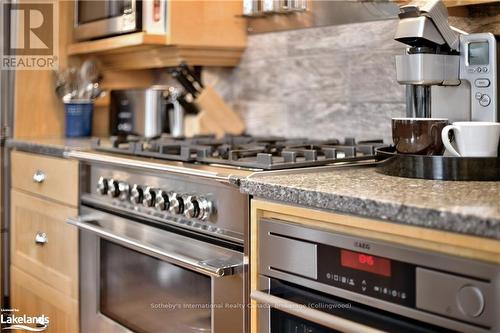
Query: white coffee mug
(473, 138)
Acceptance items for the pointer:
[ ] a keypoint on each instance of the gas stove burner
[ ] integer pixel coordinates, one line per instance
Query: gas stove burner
(266, 153)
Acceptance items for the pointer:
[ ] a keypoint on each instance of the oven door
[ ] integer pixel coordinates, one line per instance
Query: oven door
(285, 308)
(97, 19)
(138, 278)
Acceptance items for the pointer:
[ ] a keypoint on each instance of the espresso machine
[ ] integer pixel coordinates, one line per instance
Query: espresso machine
(447, 72)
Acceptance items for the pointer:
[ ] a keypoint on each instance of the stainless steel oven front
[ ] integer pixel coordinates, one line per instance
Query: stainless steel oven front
(163, 247)
(136, 277)
(318, 281)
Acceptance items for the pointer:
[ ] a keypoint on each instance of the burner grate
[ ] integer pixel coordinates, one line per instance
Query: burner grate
(267, 153)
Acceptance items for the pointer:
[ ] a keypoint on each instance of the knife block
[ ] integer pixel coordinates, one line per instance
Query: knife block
(215, 117)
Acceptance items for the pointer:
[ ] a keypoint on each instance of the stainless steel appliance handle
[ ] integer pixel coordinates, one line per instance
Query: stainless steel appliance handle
(214, 267)
(144, 165)
(312, 315)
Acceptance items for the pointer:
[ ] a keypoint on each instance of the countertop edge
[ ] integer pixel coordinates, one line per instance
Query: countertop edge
(44, 148)
(385, 211)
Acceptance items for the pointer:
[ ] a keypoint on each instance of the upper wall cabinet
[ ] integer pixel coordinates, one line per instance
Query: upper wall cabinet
(199, 32)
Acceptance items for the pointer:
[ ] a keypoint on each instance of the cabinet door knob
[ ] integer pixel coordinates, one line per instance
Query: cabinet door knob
(40, 238)
(38, 176)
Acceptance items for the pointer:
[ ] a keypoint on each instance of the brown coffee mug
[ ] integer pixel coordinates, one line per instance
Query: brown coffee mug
(419, 136)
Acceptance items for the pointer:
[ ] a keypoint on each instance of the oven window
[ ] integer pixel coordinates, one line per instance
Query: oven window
(146, 294)
(92, 10)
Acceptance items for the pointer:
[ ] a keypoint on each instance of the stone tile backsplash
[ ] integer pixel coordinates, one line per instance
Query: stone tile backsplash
(325, 82)
(318, 83)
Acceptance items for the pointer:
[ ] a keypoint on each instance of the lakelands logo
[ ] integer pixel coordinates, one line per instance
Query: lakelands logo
(31, 35)
(11, 321)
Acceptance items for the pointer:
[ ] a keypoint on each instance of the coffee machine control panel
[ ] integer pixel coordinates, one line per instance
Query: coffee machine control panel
(478, 66)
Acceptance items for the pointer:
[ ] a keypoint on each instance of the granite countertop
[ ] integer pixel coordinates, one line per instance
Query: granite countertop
(464, 207)
(52, 147)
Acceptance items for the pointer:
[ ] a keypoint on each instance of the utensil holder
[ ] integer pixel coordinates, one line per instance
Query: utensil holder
(78, 118)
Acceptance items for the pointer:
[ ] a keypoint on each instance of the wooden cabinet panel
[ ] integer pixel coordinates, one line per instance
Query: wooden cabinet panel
(54, 262)
(39, 113)
(33, 298)
(60, 176)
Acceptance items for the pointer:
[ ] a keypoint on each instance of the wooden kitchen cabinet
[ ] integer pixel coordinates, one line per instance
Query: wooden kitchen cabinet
(51, 177)
(202, 32)
(43, 247)
(54, 262)
(34, 298)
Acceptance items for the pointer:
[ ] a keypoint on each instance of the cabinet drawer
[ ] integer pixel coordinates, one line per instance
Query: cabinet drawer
(52, 177)
(42, 243)
(33, 298)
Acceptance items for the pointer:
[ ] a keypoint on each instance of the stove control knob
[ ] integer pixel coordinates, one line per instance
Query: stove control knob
(162, 201)
(124, 190)
(113, 190)
(149, 197)
(102, 186)
(176, 204)
(206, 208)
(136, 194)
(191, 206)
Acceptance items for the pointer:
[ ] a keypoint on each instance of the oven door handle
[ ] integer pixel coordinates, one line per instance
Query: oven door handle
(312, 315)
(223, 262)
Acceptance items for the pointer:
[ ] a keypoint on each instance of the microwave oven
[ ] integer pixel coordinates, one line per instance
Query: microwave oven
(102, 18)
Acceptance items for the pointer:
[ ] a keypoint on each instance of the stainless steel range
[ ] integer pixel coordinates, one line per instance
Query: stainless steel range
(164, 239)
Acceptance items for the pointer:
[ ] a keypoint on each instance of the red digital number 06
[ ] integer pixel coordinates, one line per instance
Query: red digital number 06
(364, 259)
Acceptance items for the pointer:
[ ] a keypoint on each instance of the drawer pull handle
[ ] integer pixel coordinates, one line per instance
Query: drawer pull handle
(40, 238)
(38, 176)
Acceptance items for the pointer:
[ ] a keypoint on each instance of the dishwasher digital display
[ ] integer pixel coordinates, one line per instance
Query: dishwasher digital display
(383, 278)
(365, 262)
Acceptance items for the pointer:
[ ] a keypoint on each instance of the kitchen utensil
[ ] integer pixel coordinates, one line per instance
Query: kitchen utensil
(88, 75)
(188, 106)
(421, 136)
(61, 83)
(473, 139)
(191, 75)
(90, 70)
(185, 82)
